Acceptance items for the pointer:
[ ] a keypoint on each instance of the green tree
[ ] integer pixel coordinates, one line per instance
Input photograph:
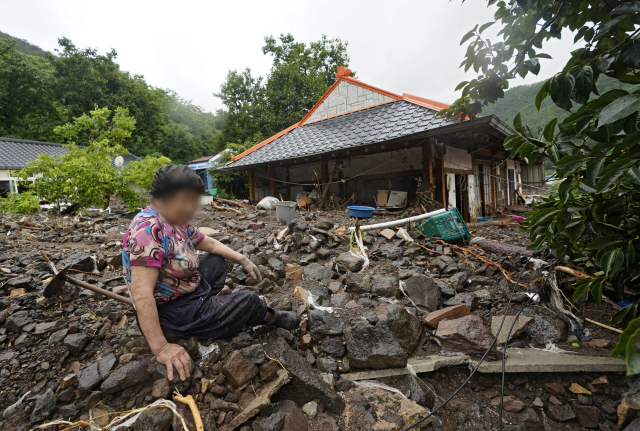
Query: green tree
(594, 219)
(85, 175)
(299, 76)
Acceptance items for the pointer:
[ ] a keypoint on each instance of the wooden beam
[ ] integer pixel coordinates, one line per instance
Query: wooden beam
(272, 182)
(441, 185)
(252, 187)
(427, 166)
(324, 174)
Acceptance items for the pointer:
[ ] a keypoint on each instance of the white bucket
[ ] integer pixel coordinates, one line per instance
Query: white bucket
(285, 211)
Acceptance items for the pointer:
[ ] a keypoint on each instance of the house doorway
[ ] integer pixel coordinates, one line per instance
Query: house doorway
(462, 195)
(511, 187)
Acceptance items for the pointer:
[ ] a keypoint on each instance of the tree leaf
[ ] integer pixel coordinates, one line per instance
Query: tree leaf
(483, 27)
(631, 54)
(596, 290)
(631, 7)
(565, 86)
(583, 84)
(612, 173)
(542, 94)
(568, 164)
(517, 123)
(564, 190)
(619, 109)
(468, 36)
(633, 175)
(621, 348)
(549, 129)
(632, 354)
(612, 261)
(593, 169)
(582, 287)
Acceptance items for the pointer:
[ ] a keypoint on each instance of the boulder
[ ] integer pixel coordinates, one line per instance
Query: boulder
(423, 292)
(126, 376)
(546, 326)
(154, 419)
(348, 262)
(305, 385)
(587, 416)
(333, 347)
(294, 418)
(277, 266)
(390, 252)
(18, 320)
(385, 285)
(76, 342)
(79, 261)
(405, 327)
(90, 376)
(274, 422)
(561, 413)
(356, 283)
(317, 272)
(520, 325)
(238, 370)
(466, 335)
(45, 405)
(323, 324)
(26, 283)
(373, 347)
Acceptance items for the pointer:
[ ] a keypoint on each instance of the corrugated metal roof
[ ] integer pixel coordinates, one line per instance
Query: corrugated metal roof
(16, 153)
(367, 126)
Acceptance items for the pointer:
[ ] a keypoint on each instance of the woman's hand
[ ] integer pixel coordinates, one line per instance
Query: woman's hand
(251, 268)
(174, 355)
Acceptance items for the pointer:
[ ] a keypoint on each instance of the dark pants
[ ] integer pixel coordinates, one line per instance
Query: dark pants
(204, 314)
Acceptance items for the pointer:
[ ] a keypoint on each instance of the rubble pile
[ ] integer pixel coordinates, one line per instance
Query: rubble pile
(81, 357)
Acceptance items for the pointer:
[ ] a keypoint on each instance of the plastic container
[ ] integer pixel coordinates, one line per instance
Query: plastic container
(285, 211)
(360, 212)
(449, 226)
(484, 218)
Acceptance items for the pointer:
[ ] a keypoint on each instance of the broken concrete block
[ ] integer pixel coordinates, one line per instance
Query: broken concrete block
(388, 234)
(238, 370)
(455, 312)
(373, 347)
(520, 326)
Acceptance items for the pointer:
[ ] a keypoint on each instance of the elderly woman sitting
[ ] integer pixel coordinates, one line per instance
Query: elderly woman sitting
(175, 293)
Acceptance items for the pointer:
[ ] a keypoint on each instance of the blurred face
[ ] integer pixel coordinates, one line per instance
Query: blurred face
(179, 207)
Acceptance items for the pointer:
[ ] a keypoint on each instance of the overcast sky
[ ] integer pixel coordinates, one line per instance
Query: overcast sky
(190, 45)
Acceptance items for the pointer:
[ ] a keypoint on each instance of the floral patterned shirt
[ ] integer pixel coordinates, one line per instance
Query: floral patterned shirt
(152, 241)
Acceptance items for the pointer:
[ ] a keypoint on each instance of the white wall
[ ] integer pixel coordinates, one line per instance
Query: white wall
(456, 158)
(347, 97)
(450, 180)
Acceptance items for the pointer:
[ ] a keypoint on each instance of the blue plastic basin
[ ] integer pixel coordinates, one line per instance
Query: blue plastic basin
(360, 212)
(484, 218)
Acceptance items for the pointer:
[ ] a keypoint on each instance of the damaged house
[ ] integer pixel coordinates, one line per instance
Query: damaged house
(365, 143)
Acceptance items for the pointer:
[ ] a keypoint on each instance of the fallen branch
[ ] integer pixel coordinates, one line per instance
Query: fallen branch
(225, 209)
(29, 227)
(602, 325)
(189, 401)
(573, 272)
(233, 203)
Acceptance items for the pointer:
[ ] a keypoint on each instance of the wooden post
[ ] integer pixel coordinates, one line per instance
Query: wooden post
(441, 185)
(324, 174)
(252, 186)
(288, 179)
(427, 166)
(272, 182)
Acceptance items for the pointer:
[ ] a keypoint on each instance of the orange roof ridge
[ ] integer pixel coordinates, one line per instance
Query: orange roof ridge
(427, 103)
(263, 143)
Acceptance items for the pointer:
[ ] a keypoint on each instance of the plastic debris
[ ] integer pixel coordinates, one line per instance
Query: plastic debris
(268, 203)
(402, 233)
(9, 411)
(310, 300)
(370, 384)
(208, 352)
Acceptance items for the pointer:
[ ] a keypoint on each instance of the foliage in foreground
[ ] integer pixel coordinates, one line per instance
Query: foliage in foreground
(594, 219)
(85, 175)
(20, 203)
(232, 185)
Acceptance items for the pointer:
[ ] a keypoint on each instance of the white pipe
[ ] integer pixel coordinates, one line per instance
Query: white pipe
(401, 221)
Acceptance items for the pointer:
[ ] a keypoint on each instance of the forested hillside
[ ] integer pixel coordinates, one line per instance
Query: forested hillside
(41, 90)
(521, 99)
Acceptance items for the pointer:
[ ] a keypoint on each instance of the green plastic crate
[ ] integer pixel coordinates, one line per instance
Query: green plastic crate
(449, 225)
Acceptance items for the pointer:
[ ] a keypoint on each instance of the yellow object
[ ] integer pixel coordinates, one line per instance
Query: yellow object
(188, 400)
(577, 389)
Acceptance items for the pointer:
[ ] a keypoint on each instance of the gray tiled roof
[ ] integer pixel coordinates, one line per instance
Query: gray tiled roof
(368, 126)
(16, 153)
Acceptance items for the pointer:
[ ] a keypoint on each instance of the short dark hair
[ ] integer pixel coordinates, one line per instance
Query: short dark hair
(170, 179)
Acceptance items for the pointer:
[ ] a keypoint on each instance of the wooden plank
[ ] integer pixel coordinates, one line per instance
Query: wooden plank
(252, 187)
(458, 171)
(272, 181)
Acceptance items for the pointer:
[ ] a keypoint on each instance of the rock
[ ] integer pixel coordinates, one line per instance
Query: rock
(518, 328)
(323, 253)
(210, 232)
(306, 385)
(275, 422)
(277, 266)
(554, 388)
(333, 347)
(388, 234)
(327, 365)
(69, 411)
(310, 409)
(628, 409)
(305, 259)
(348, 262)
(154, 419)
(423, 292)
(466, 335)
(293, 273)
(443, 264)
(161, 388)
(420, 391)
(101, 414)
(90, 376)
(294, 418)
(18, 320)
(76, 342)
(600, 343)
(385, 285)
(588, 416)
(254, 354)
(26, 283)
(405, 327)
(529, 417)
(339, 299)
(371, 317)
(323, 324)
(79, 261)
(373, 347)
(546, 327)
(283, 303)
(238, 370)
(467, 298)
(45, 405)
(455, 312)
(356, 284)
(577, 389)
(390, 252)
(57, 336)
(128, 375)
(242, 340)
(318, 272)
(510, 403)
(561, 413)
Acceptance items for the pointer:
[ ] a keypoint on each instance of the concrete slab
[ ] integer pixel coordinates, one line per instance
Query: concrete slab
(540, 361)
(426, 365)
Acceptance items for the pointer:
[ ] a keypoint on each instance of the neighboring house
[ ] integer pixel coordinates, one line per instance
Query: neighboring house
(360, 139)
(201, 167)
(15, 154)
